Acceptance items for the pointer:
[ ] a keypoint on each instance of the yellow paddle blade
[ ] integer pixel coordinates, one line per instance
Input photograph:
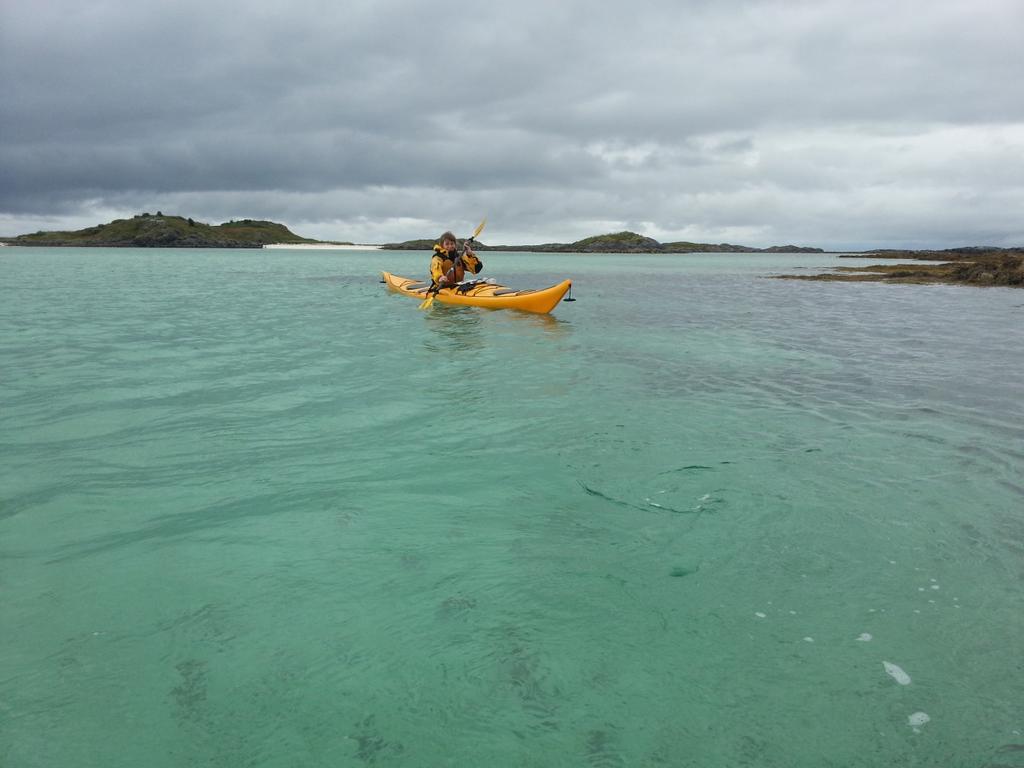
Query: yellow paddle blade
(425, 304)
(479, 229)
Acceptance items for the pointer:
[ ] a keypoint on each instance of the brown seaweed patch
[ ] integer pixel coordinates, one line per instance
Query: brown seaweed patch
(527, 679)
(370, 745)
(680, 571)
(600, 750)
(190, 694)
(456, 605)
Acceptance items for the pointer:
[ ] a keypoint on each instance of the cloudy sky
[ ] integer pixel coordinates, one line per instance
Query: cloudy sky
(836, 123)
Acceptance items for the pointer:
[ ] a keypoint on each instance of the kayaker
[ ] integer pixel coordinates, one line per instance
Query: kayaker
(447, 267)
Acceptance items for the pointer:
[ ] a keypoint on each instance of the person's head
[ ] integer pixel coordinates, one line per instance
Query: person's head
(448, 241)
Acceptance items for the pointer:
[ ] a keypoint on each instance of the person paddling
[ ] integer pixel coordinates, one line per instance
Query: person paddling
(447, 266)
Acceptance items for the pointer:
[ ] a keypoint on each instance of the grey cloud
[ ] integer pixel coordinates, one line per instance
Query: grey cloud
(774, 120)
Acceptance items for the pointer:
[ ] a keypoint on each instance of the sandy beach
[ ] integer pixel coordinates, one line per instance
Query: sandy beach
(322, 247)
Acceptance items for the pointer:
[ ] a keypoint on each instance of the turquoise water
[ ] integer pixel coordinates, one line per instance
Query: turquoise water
(254, 510)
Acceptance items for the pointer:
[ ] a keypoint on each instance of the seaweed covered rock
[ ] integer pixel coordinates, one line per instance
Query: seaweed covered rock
(998, 270)
(1003, 269)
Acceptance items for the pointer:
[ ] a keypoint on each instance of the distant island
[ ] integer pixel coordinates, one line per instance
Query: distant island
(972, 265)
(159, 231)
(617, 242)
(148, 230)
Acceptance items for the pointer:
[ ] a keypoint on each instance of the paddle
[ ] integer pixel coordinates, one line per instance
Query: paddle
(451, 272)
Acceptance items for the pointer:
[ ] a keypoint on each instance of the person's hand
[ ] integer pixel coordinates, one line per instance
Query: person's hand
(468, 250)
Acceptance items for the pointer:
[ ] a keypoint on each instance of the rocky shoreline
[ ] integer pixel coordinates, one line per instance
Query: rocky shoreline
(974, 266)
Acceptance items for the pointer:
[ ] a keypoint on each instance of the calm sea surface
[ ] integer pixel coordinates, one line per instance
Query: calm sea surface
(257, 511)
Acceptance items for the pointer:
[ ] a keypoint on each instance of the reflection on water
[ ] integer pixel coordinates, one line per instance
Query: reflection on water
(453, 326)
(548, 323)
(468, 327)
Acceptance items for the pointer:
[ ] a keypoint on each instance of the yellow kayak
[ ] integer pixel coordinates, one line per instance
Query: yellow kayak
(478, 293)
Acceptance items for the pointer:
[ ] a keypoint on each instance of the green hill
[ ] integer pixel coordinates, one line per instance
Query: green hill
(616, 242)
(159, 231)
